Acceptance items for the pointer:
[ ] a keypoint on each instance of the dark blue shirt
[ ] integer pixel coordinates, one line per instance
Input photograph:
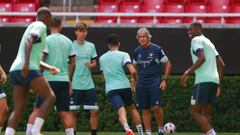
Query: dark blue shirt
(148, 61)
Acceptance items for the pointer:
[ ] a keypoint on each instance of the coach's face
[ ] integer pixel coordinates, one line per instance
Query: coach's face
(143, 39)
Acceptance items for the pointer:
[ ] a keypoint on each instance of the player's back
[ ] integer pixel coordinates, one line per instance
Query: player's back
(35, 29)
(112, 64)
(58, 49)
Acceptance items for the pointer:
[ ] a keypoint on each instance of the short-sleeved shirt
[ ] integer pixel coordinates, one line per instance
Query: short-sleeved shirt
(82, 78)
(38, 30)
(148, 61)
(112, 65)
(58, 49)
(207, 72)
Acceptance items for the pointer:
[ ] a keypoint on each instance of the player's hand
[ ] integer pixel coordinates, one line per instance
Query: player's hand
(3, 78)
(88, 64)
(133, 86)
(218, 92)
(70, 89)
(184, 79)
(163, 85)
(54, 70)
(25, 70)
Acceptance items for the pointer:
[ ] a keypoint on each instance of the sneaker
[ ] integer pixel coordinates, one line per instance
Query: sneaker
(130, 132)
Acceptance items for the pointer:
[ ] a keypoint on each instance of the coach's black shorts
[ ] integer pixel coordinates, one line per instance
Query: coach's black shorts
(17, 79)
(61, 91)
(204, 93)
(84, 100)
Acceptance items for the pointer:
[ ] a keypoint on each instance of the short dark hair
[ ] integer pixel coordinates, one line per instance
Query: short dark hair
(43, 12)
(196, 24)
(81, 26)
(56, 22)
(113, 40)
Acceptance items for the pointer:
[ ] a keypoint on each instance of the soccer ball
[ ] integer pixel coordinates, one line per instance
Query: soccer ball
(169, 128)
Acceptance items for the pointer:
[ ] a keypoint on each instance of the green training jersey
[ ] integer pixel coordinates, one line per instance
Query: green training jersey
(207, 72)
(112, 65)
(58, 50)
(36, 29)
(82, 77)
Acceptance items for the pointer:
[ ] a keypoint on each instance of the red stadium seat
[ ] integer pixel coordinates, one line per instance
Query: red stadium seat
(155, 6)
(234, 8)
(195, 7)
(133, 6)
(108, 2)
(107, 8)
(25, 6)
(5, 6)
(173, 8)
(217, 6)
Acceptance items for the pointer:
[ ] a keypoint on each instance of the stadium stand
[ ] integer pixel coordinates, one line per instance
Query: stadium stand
(169, 8)
(5, 6)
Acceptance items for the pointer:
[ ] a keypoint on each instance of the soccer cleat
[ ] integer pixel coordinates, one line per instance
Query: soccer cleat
(130, 132)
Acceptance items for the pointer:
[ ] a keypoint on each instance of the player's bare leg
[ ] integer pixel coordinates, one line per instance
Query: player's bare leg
(94, 121)
(20, 96)
(67, 121)
(136, 119)
(123, 119)
(3, 112)
(158, 114)
(31, 120)
(201, 119)
(74, 116)
(42, 88)
(207, 113)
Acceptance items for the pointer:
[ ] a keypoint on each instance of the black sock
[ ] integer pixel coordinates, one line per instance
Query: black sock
(75, 132)
(94, 131)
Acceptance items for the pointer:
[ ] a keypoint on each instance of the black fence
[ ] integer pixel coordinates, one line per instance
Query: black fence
(174, 41)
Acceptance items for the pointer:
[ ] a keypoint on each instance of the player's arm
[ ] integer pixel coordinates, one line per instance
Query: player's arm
(167, 68)
(72, 64)
(167, 71)
(52, 69)
(3, 75)
(133, 73)
(196, 65)
(220, 66)
(28, 47)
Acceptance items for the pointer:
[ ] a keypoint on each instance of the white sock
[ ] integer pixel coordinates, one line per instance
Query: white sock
(211, 132)
(9, 131)
(160, 129)
(0, 129)
(148, 132)
(69, 131)
(37, 126)
(126, 127)
(29, 129)
(139, 129)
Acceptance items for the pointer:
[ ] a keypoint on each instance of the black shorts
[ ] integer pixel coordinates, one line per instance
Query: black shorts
(2, 94)
(204, 93)
(120, 97)
(17, 79)
(61, 91)
(84, 100)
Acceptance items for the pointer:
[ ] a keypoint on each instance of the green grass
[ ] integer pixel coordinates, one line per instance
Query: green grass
(117, 133)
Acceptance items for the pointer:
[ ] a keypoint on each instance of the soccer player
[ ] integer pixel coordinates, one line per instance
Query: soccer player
(208, 67)
(58, 52)
(148, 58)
(117, 85)
(84, 93)
(25, 73)
(3, 101)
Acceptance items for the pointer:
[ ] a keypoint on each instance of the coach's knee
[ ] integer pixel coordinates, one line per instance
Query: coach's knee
(195, 113)
(156, 109)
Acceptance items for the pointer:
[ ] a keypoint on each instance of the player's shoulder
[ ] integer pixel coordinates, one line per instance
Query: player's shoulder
(198, 38)
(38, 24)
(155, 46)
(89, 44)
(103, 56)
(122, 53)
(136, 50)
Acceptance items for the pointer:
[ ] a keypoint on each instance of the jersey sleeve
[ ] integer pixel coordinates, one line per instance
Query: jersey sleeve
(126, 59)
(162, 56)
(216, 52)
(197, 45)
(37, 31)
(93, 53)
